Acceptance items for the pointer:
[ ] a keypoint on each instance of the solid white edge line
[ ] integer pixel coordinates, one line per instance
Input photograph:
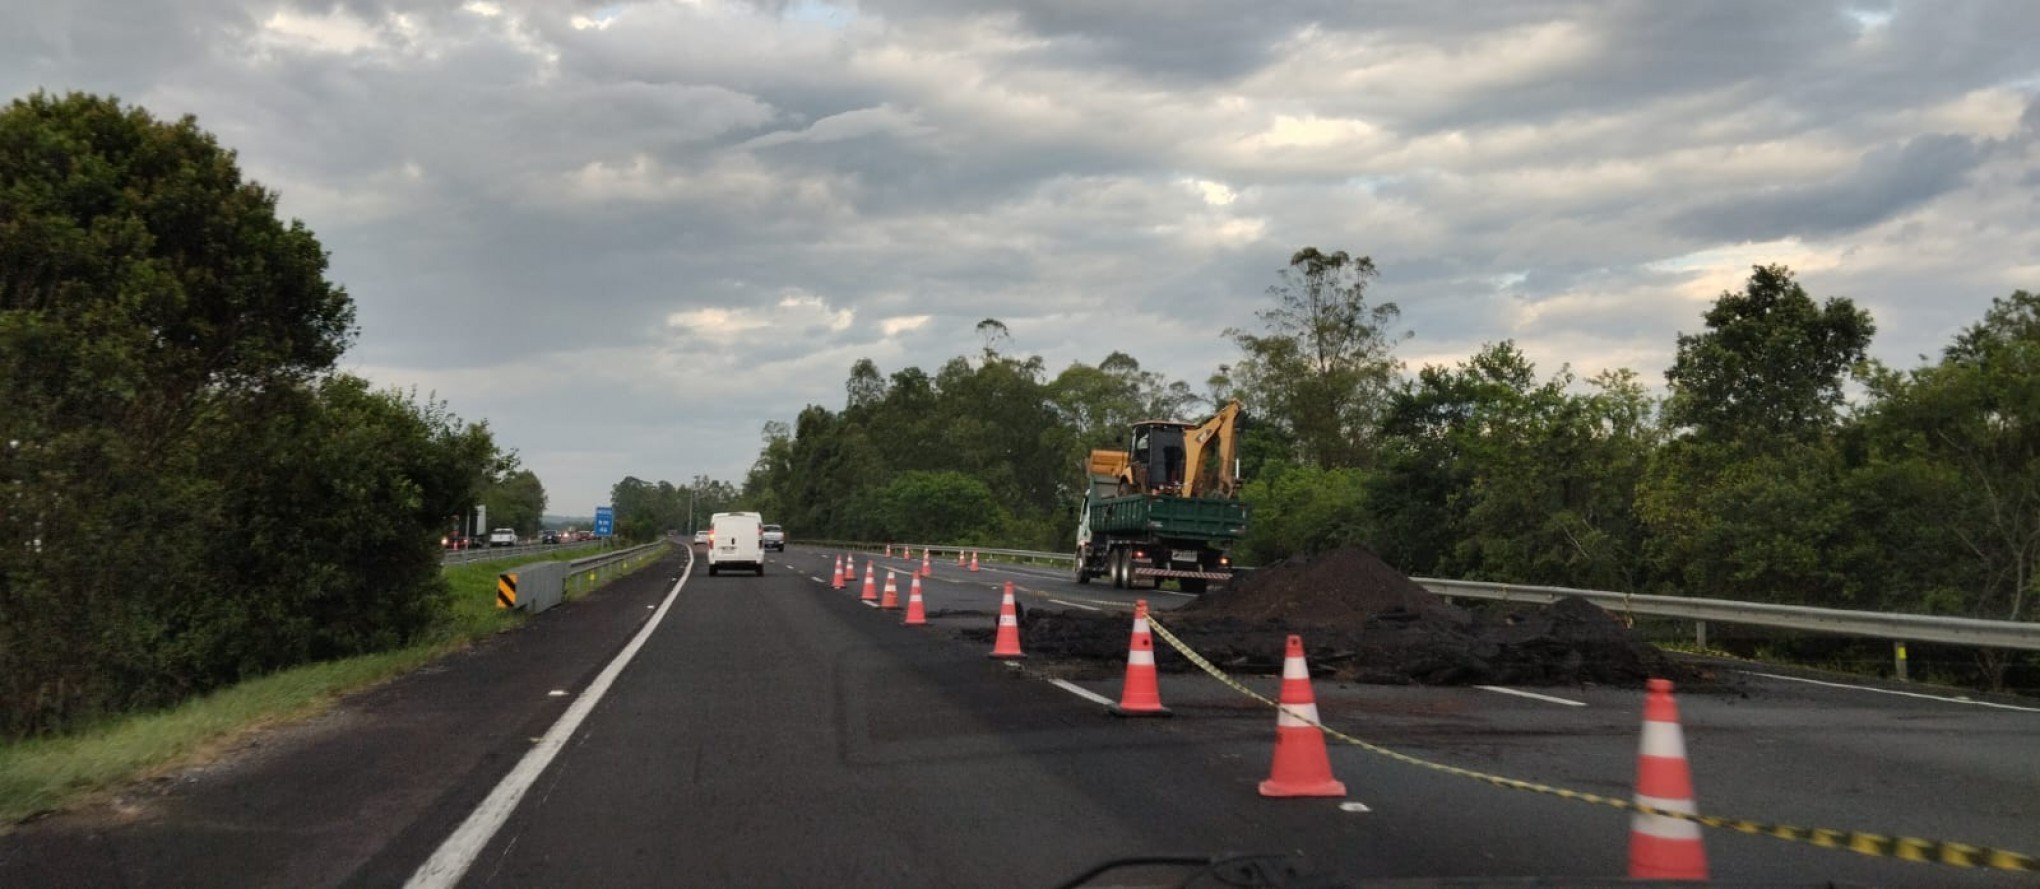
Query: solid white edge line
(454, 856)
(1531, 695)
(1888, 691)
(1080, 691)
(1075, 605)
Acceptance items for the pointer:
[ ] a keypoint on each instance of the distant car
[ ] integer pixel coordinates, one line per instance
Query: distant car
(503, 537)
(548, 536)
(701, 538)
(455, 541)
(774, 539)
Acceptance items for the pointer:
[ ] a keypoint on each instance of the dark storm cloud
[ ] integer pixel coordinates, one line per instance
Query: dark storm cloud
(1889, 181)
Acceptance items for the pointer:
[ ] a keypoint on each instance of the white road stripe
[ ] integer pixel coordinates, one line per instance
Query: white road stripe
(1081, 691)
(1903, 694)
(454, 856)
(816, 579)
(1075, 605)
(1531, 695)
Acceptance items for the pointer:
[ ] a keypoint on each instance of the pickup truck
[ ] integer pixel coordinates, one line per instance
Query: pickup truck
(774, 538)
(503, 537)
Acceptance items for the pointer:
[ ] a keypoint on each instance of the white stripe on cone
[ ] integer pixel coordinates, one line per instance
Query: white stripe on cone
(1663, 739)
(1661, 827)
(1294, 715)
(1140, 658)
(1295, 668)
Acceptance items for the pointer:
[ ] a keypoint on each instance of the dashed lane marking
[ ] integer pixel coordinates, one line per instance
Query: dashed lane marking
(1531, 695)
(1080, 691)
(1904, 694)
(1075, 605)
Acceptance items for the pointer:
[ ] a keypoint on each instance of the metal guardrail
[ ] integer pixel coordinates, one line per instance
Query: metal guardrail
(485, 553)
(1899, 628)
(599, 560)
(1871, 624)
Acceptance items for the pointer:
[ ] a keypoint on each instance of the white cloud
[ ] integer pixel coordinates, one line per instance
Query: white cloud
(335, 31)
(893, 327)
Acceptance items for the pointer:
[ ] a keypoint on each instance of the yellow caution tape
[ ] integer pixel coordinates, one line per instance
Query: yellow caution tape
(1873, 844)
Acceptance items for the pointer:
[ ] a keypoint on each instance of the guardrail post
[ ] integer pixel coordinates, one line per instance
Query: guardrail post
(1898, 653)
(1700, 633)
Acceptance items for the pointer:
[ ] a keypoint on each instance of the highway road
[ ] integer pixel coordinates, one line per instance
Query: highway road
(771, 731)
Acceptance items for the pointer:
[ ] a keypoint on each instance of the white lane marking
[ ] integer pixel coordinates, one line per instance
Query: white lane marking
(457, 853)
(868, 603)
(1903, 694)
(816, 579)
(1080, 691)
(1075, 605)
(1354, 807)
(556, 693)
(1531, 695)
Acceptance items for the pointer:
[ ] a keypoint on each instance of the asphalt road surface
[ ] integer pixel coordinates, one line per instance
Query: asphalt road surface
(771, 731)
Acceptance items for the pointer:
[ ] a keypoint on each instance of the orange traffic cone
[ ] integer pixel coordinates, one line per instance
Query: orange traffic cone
(836, 579)
(973, 561)
(888, 550)
(1007, 646)
(1301, 767)
(917, 612)
(892, 593)
(1662, 848)
(870, 584)
(850, 568)
(959, 558)
(926, 569)
(1140, 694)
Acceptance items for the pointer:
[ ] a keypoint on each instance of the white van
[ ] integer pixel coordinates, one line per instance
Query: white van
(736, 540)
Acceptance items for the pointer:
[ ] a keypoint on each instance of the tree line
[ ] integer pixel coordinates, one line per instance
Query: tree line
(1781, 464)
(190, 494)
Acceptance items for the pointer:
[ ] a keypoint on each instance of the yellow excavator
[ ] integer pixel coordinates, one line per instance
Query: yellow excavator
(1167, 507)
(1178, 458)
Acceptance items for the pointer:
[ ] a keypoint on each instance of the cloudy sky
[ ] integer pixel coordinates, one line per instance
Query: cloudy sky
(628, 234)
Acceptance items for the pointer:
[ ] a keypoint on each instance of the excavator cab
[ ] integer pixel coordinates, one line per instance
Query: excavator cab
(1157, 456)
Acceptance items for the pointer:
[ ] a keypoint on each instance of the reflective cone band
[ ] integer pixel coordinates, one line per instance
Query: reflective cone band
(870, 584)
(1141, 693)
(888, 550)
(1301, 767)
(836, 579)
(959, 558)
(926, 570)
(973, 561)
(1008, 643)
(917, 612)
(1662, 848)
(892, 593)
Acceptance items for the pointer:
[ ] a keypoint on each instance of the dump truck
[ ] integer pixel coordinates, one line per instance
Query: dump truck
(1166, 507)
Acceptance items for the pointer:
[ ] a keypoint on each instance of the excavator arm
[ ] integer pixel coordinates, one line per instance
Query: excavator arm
(1220, 433)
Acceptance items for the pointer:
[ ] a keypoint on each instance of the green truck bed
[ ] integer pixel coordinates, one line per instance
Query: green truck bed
(1183, 518)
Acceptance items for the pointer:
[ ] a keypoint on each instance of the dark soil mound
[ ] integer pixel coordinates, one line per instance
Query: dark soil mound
(1362, 620)
(1339, 587)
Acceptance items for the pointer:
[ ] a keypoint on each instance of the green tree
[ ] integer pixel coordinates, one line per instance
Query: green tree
(516, 500)
(1323, 365)
(1749, 502)
(937, 507)
(1771, 364)
(1952, 463)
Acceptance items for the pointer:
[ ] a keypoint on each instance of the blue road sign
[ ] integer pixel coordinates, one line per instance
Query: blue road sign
(605, 521)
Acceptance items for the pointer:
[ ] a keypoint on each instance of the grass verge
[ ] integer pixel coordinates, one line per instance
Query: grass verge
(45, 774)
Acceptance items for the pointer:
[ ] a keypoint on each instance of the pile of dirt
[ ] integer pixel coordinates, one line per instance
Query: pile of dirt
(1363, 621)
(1338, 587)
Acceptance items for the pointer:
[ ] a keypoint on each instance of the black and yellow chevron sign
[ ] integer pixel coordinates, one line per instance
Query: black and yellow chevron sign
(506, 590)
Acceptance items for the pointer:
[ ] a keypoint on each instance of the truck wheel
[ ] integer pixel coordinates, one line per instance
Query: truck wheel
(761, 569)
(1115, 565)
(1082, 576)
(1192, 584)
(711, 570)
